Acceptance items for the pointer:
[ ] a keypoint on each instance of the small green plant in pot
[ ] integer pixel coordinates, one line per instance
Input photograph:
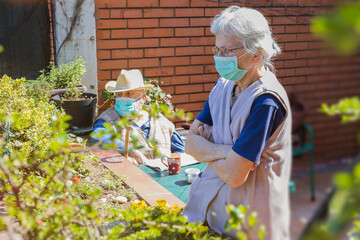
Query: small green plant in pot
(64, 85)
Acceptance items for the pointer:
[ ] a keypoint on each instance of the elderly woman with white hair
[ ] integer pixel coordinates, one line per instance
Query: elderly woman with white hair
(243, 131)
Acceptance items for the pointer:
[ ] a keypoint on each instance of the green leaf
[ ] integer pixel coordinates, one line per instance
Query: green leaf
(343, 180)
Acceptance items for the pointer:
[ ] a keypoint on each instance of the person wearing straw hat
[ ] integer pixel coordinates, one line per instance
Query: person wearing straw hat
(130, 96)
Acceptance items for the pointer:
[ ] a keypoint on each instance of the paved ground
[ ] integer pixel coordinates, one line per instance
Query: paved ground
(304, 211)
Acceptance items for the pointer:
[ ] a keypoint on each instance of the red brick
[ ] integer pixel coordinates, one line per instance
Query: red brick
(174, 61)
(295, 63)
(111, 23)
(191, 106)
(159, 32)
(183, 32)
(126, 33)
(284, 3)
(183, 98)
(168, 89)
(144, 62)
(202, 60)
(126, 13)
(296, 46)
(297, 29)
(306, 71)
(200, 22)
(101, 85)
(127, 53)
(208, 32)
(208, 87)
(285, 38)
(176, 80)
(142, 3)
(283, 20)
(278, 29)
(158, 13)
(316, 45)
(188, 70)
(110, 44)
(102, 13)
(307, 54)
(278, 64)
(167, 42)
(174, 22)
(189, 88)
(110, 3)
(102, 34)
(115, 74)
(103, 54)
(143, 43)
(285, 72)
(312, 3)
(143, 23)
(286, 55)
(189, 12)
(103, 75)
(204, 3)
(210, 69)
(294, 80)
(157, 72)
(202, 41)
(174, 3)
(208, 50)
(212, 12)
(203, 78)
(197, 97)
(159, 52)
(187, 51)
(112, 64)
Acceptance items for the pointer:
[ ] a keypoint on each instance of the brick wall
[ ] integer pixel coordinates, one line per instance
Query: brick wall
(171, 41)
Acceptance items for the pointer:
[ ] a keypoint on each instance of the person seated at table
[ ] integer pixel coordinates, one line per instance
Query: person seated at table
(130, 96)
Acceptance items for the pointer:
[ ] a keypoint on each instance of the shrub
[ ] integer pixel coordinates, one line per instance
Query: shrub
(42, 183)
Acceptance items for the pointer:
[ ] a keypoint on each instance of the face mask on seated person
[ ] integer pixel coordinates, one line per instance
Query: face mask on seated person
(124, 106)
(227, 68)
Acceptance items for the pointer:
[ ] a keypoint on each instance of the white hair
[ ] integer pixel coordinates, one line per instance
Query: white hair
(250, 27)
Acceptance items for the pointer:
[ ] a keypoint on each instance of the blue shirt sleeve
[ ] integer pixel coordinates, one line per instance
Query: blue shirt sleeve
(205, 115)
(106, 138)
(265, 116)
(177, 144)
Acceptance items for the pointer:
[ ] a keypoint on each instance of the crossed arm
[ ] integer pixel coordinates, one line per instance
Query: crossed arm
(232, 168)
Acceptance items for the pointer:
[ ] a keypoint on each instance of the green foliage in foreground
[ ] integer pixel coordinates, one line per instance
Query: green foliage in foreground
(344, 208)
(341, 29)
(42, 183)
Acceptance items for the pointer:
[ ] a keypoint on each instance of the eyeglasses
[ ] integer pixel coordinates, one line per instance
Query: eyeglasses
(224, 50)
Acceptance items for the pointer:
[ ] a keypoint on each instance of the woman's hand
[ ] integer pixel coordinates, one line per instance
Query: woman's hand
(205, 131)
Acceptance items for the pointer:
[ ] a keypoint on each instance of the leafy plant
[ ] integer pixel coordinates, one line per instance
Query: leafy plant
(65, 76)
(157, 96)
(44, 188)
(341, 29)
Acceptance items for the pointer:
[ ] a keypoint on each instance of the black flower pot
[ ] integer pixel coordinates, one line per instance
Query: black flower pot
(82, 112)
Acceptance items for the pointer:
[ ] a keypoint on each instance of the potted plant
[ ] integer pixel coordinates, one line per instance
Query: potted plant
(64, 83)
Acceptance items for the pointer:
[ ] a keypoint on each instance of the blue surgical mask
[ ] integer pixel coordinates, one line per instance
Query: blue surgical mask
(227, 68)
(124, 106)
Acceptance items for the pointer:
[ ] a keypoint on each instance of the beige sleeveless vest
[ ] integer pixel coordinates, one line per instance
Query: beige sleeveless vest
(161, 130)
(266, 188)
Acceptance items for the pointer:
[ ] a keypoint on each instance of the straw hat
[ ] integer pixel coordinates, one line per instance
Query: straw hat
(128, 80)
